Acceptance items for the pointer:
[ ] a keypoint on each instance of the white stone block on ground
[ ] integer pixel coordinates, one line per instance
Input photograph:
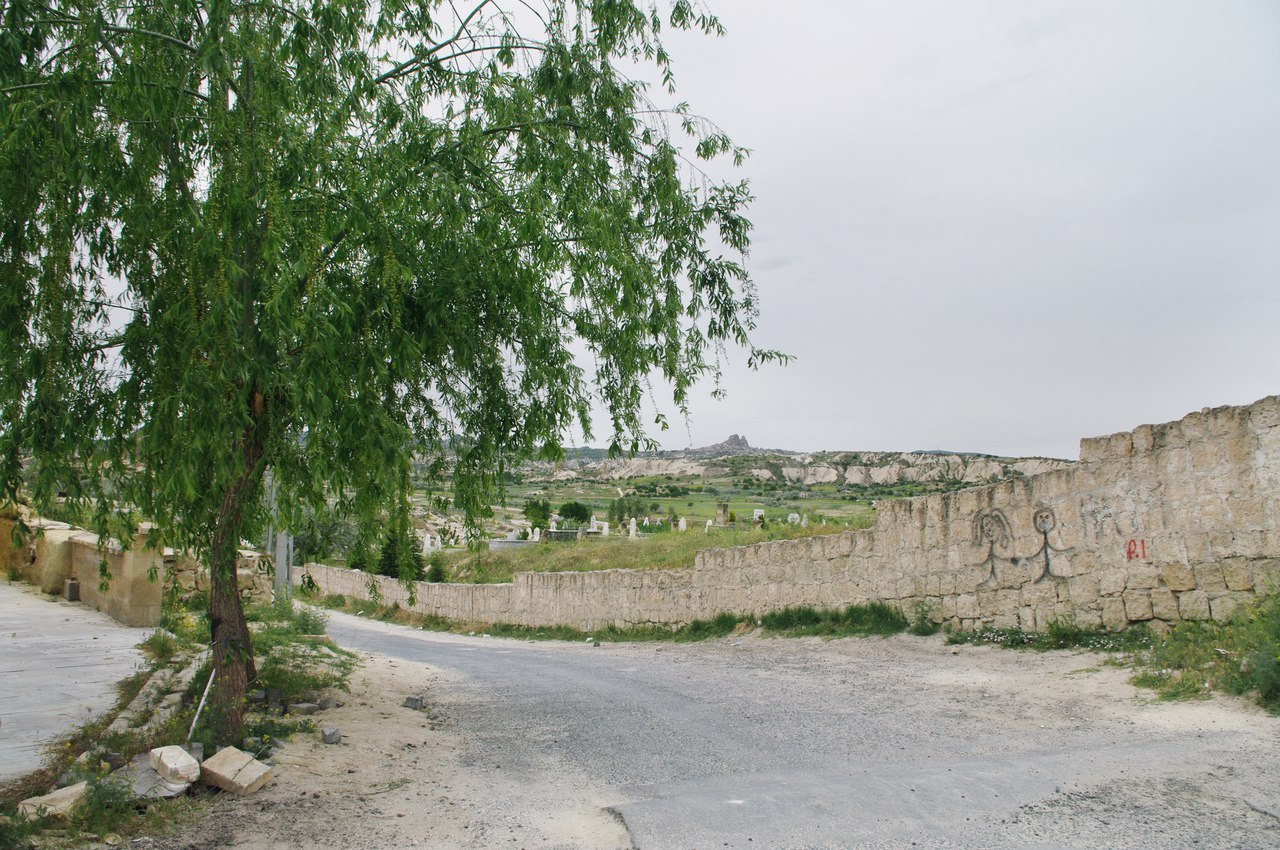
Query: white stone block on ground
(60, 803)
(235, 771)
(146, 783)
(175, 764)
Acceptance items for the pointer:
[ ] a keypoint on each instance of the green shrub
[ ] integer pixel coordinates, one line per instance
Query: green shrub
(436, 568)
(575, 512)
(1240, 656)
(161, 645)
(108, 805)
(922, 622)
(1057, 636)
(538, 513)
(875, 618)
(399, 557)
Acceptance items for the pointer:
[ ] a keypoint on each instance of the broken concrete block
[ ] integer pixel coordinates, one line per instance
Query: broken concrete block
(303, 708)
(174, 764)
(413, 702)
(331, 735)
(58, 804)
(146, 783)
(235, 771)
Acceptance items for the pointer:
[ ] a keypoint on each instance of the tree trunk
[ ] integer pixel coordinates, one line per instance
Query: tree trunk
(232, 646)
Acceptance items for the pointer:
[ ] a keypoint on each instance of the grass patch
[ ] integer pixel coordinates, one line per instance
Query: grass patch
(1240, 656)
(160, 646)
(875, 618)
(855, 620)
(1057, 636)
(294, 653)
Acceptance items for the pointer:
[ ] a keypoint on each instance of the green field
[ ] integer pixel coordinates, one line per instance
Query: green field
(664, 550)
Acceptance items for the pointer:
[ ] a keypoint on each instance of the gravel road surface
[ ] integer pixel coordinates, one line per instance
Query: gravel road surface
(878, 743)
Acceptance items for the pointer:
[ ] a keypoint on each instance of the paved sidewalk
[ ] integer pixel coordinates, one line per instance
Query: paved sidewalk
(59, 662)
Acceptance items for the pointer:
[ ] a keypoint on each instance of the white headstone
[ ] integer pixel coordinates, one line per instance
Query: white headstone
(553, 525)
(537, 535)
(631, 528)
(646, 522)
(757, 514)
(594, 524)
(793, 518)
(604, 529)
(804, 521)
(684, 526)
(709, 524)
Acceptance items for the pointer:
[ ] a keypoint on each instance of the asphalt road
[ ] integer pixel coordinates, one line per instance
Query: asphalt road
(773, 743)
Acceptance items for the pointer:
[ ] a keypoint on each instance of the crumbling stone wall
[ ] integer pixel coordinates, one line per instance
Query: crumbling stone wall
(55, 551)
(1165, 523)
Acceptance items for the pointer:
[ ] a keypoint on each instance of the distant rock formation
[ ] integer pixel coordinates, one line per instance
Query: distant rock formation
(735, 457)
(735, 445)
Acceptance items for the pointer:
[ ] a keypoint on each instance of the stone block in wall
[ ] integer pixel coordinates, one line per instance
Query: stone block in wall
(1198, 548)
(1089, 617)
(839, 545)
(1111, 581)
(1251, 544)
(1266, 575)
(1206, 454)
(1004, 619)
(1237, 574)
(1008, 601)
(1040, 593)
(50, 563)
(1178, 576)
(1143, 439)
(1193, 605)
(1142, 577)
(1223, 544)
(1084, 590)
(967, 606)
(1209, 576)
(1222, 606)
(1164, 605)
(1137, 605)
(1113, 613)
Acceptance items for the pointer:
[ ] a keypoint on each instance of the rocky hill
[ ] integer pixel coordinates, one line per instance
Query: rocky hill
(736, 458)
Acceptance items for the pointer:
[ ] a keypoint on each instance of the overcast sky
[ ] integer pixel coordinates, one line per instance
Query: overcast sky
(998, 226)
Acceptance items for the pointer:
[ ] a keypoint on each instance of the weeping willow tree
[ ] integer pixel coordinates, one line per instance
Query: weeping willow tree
(333, 238)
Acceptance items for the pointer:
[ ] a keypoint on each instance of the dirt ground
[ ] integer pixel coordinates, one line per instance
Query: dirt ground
(396, 780)
(409, 779)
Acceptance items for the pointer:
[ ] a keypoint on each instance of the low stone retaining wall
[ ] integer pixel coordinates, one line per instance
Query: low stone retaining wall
(56, 551)
(1165, 523)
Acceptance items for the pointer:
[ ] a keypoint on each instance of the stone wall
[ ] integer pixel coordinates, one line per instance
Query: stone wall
(137, 576)
(131, 596)
(1171, 522)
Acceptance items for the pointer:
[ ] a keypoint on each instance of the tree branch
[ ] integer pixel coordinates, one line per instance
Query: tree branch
(408, 65)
